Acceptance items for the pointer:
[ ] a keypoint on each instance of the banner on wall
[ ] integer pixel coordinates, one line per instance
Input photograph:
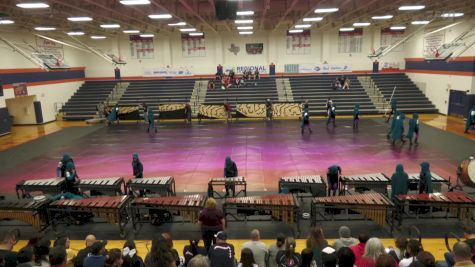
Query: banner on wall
(390, 37)
(432, 42)
(239, 69)
(323, 68)
(350, 42)
(50, 47)
(254, 48)
(298, 43)
(193, 46)
(168, 71)
(141, 47)
(20, 89)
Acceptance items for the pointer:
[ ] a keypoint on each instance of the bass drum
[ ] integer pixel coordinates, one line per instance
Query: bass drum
(467, 175)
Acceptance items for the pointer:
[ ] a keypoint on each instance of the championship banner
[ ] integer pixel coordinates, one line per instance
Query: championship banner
(254, 49)
(350, 42)
(168, 71)
(49, 47)
(431, 42)
(390, 37)
(298, 43)
(141, 48)
(19, 89)
(239, 69)
(193, 46)
(323, 68)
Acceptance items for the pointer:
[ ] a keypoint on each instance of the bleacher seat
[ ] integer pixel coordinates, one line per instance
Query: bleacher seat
(316, 89)
(83, 104)
(408, 96)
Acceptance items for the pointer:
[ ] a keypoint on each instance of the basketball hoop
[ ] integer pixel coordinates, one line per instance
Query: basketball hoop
(373, 52)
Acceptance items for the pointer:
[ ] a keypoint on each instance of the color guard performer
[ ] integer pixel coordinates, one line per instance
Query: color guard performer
(413, 131)
(333, 179)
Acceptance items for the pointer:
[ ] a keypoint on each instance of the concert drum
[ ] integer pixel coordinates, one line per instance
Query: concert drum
(467, 175)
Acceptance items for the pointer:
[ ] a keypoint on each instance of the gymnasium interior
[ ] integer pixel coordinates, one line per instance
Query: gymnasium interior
(286, 91)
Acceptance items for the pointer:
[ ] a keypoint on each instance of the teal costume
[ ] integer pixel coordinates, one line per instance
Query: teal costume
(70, 179)
(66, 195)
(393, 110)
(399, 182)
(61, 169)
(356, 116)
(397, 132)
(413, 128)
(114, 114)
(470, 120)
(425, 179)
(333, 178)
(332, 117)
(151, 120)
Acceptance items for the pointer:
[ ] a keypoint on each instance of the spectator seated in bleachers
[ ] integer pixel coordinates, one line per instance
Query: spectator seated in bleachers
(345, 257)
(279, 245)
(345, 239)
(8, 239)
(426, 258)
(41, 253)
(258, 248)
(358, 249)
(199, 261)
(373, 249)
(130, 257)
(385, 260)
(399, 252)
(257, 75)
(469, 235)
(222, 254)
(413, 248)
(316, 242)
(114, 258)
(218, 76)
(58, 257)
(307, 258)
(97, 255)
(63, 241)
(211, 85)
(82, 254)
(193, 250)
(160, 254)
(462, 255)
(346, 84)
(336, 85)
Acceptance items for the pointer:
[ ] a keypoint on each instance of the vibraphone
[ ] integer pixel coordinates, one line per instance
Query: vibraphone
(459, 204)
(162, 209)
(112, 186)
(165, 186)
(285, 208)
(30, 211)
(313, 184)
(113, 209)
(373, 206)
(235, 181)
(377, 182)
(437, 181)
(50, 186)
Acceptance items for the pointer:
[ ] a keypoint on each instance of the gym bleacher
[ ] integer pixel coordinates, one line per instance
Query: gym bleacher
(408, 96)
(83, 104)
(317, 89)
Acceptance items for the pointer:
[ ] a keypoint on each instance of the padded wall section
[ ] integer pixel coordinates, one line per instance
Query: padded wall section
(9, 76)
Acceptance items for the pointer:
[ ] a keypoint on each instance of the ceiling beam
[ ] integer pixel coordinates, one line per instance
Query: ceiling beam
(264, 13)
(287, 11)
(192, 11)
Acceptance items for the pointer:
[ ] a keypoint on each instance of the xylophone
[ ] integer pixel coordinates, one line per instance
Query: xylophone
(162, 209)
(313, 184)
(457, 203)
(31, 211)
(283, 207)
(437, 181)
(111, 186)
(50, 186)
(113, 209)
(165, 186)
(236, 181)
(373, 206)
(377, 182)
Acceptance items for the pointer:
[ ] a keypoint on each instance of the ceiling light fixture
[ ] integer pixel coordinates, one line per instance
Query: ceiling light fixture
(135, 2)
(347, 29)
(406, 8)
(245, 13)
(160, 16)
(32, 5)
(45, 28)
(303, 26)
(295, 31)
(95, 37)
(452, 15)
(313, 19)
(246, 33)
(147, 35)
(195, 34)
(361, 24)
(131, 31)
(75, 33)
(396, 28)
(243, 21)
(382, 17)
(79, 19)
(6, 21)
(177, 24)
(420, 22)
(326, 10)
(110, 26)
(245, 27)
(188, 30)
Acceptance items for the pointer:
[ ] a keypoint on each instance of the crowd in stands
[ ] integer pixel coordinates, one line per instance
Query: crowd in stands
(346, 251)
(231, 79)
(341, 83)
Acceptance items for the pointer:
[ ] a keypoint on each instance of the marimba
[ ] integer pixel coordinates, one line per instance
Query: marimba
(238, 181)
(437, 181)
(165, 186)
(459, 204)
(283, 207)
(113, 209)
(313, 184)
(377, 182)
(31, 211)
(373, 206)
(162, 209)
(50, 186)
(111, 186)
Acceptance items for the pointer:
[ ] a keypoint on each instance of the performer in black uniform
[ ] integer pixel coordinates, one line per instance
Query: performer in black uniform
(333, 179)
(230, 170)
(269, 111)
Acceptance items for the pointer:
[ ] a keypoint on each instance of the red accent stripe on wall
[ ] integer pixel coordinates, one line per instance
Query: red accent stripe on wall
(9, 86)
(459, 59)
(442, 72)
(30, 70)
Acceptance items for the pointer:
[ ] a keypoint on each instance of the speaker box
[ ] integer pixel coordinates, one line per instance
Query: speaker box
(1, 88)
(225, 9)
(38, 112)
